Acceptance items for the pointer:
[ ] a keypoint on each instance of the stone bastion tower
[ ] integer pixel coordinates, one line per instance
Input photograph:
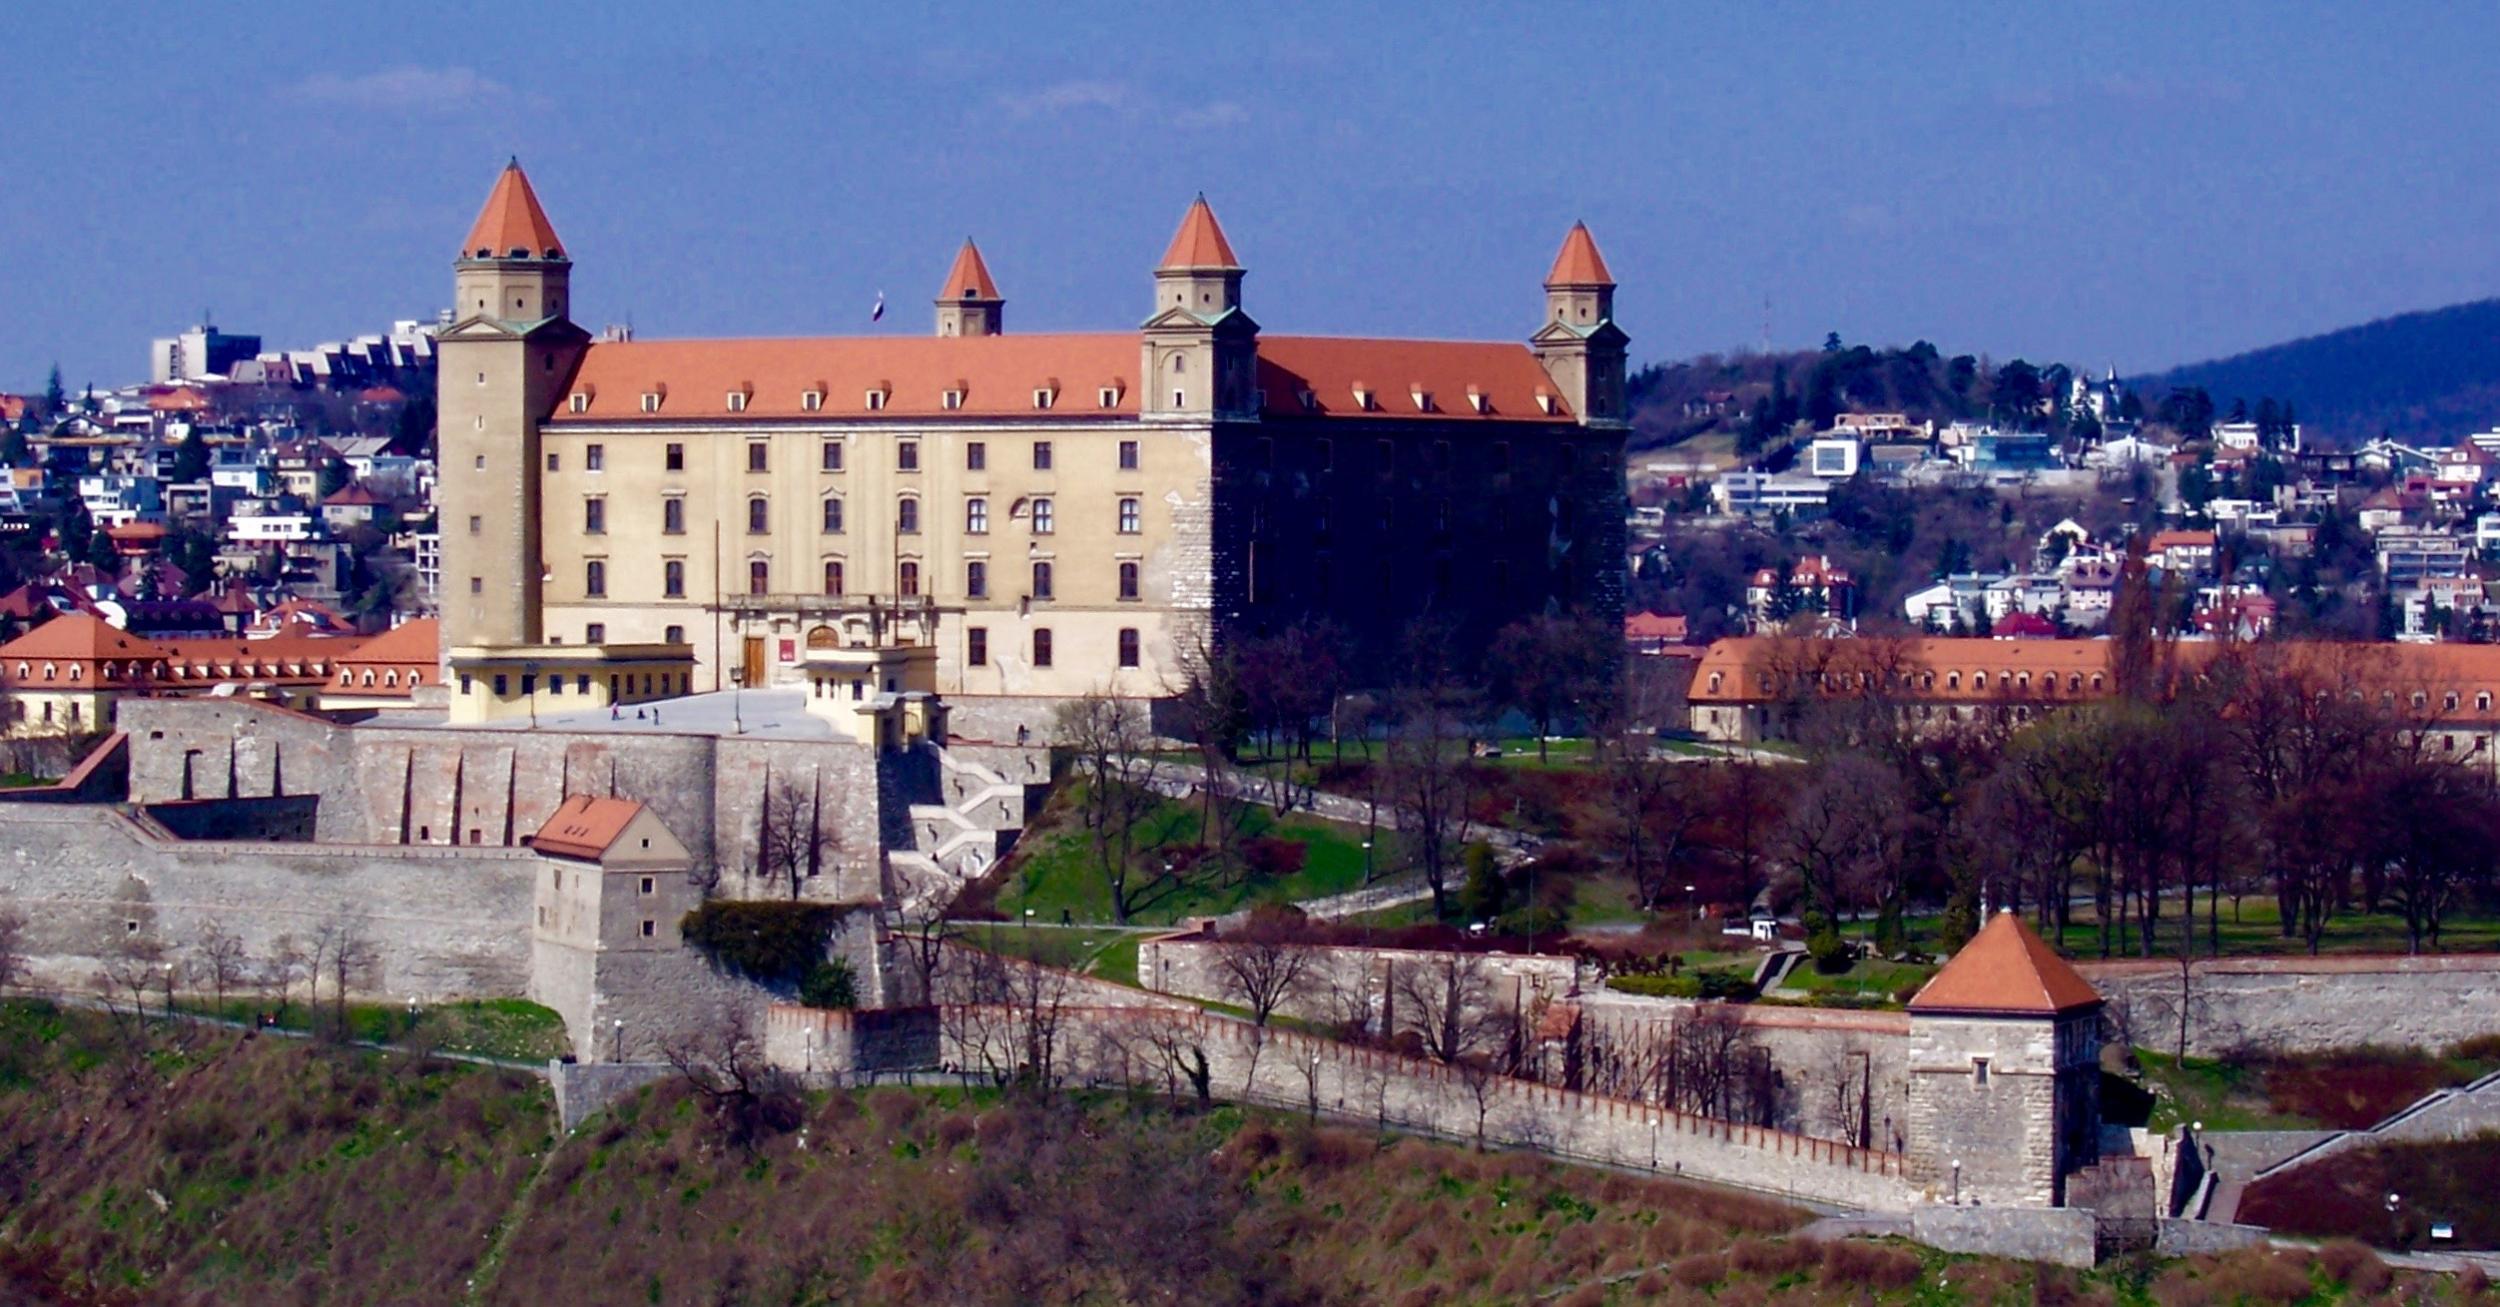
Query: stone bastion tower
(2005, 1065)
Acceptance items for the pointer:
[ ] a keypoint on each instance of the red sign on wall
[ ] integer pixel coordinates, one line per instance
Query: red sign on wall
(789, 651)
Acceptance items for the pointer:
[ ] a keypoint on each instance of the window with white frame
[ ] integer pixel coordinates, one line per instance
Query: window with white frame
(1044, 522)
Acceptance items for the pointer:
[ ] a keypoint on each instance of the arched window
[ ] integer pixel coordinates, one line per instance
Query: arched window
(833, 515)
(673, 579)
(907, 578)
(759, 576)
(1128, 580)
(1041, 580)
(907, 515)
(1128, 646)
(759, 515)
(833, 576)
(595, 578)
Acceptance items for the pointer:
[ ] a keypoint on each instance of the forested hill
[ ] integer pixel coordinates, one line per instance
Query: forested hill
(2431, 376)
(1753, 396)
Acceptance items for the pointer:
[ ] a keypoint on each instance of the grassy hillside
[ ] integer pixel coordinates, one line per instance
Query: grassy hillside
(200, 1166)
(2416, 375)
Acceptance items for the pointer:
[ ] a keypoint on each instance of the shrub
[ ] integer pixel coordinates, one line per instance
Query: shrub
(774, 944)
(1482, 893)
(1830, 952)
(1873, 1266)
(829, 984)
(1701, 1270)
(1654, 985)
(1269, 856)
(2355, 1267)
(2478, 1048)
(1531, 921)
(1773, 1256)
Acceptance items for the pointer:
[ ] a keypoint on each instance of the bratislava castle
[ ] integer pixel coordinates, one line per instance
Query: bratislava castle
(1002, 520)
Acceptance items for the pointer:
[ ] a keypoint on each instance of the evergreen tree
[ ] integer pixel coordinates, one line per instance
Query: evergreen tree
(191, 457)
(14, 451)
(54, 397)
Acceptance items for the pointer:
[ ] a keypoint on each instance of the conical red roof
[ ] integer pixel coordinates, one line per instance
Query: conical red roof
(2006, 970)
(1579, 263)
(969, 279)
(1200, 241)
(512, 226)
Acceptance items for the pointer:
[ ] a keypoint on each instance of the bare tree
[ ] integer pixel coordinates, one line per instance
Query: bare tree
(793, 843)
(1262, 966)
(1430, 781)
(13, 965)
(1007, 1013)
(1169, 1046)
(1554, 667)
(1448, 1002)
(130, 967)
(722, 1057)
(349, 955)
(921, 937)
(1849, 1091)
(218, 961)
(288, 963)
(1112, 744)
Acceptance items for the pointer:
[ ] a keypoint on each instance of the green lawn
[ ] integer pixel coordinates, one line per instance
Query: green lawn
(1054, 871)
(18, 780)
(1869, 980)
(495, 1027)
(2252, 930)
(2225, 1095)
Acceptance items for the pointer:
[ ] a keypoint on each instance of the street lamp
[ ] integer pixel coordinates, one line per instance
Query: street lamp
(618, 1048)
(1692, 906)
(1028, 918)
(1367, 862)
(1957, 1182)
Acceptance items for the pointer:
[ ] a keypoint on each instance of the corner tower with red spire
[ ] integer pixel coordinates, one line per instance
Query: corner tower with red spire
(504, 360)
(1579, 344)
(1201, 350)
(968, 304)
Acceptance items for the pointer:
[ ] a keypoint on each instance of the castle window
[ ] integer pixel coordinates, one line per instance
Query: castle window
(503, 685)
(759, 577)
(476, 524)
(1128, 455)
(907, 579)
(595, 633)
(952, 399)
(1979, 1072)
(649, 927)
(829, 456)
(1131, 518)
(759, 456)
(811, 401)
(1107, 397)
(1041, 455)
(1387, 454)
(1324, 453)
(595, 578)
(481, 378)
(1128, 646)
(833, 516)
(977, 646)
(477, 585)
(2482, 701)
(1545, 401)
(977, 579)
(833, 576)
(2452, 701)
(1041, 580)
(675, 459)
(1043, 398)
(1128, 581)
(759, 516)
(479, 463)
(976, 456)
(555, 461)
(1043, 521)
(874, 401)
(580, 402)
(650, 401)
(594, 516)
(649, 884)
(1475, 399)
(976, 516)
(1041, 647)
(907, 515)
(669, 635)
(673, 515)
(1362, 399)
(1501, 456)
(737, 401)
(907, 456)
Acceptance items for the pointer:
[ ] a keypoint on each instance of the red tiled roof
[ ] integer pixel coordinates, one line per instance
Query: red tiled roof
(512, 225)
(1655, 626)
(352, 495)
(79, 637)
(180, 399)
(998, 376)
(1579, 263)
(1200, 241)
(969, 279)
(417, 641)
(2180, 540)
(2025, 626)
(2006, 970)
(583, 826)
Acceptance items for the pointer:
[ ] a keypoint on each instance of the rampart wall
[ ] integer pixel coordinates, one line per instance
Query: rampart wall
(441, 923)
(1278, 1068)
(1338, 981)
(2303, 1004)
(415, 785)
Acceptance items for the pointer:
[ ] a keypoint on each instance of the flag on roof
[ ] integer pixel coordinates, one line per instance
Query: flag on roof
(877, 314)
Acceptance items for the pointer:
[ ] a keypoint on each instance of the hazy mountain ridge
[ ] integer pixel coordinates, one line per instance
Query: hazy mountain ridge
(2432, 375)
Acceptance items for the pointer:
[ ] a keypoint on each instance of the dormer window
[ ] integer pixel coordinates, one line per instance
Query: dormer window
(580, 402)
(1545, 401)
(1422, 398)
(874, 400)
(953, 398)
(1107, 397)
(1362, 397)
(1476, 399)
(811, 401)
(650, 401)
(1043, 396)
(737, 400)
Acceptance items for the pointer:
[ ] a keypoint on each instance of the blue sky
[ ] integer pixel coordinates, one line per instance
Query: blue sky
(2137, 185)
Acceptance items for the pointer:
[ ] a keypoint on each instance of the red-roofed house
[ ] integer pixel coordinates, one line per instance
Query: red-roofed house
(1655, 633)
(612, 887)
(387, 670)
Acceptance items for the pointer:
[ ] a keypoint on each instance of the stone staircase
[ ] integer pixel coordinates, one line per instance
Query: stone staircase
(953, 819)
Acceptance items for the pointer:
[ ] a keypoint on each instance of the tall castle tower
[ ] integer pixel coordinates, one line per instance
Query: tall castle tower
(1200, 356)
(968, 304)
(1579, 344)
(503, 360)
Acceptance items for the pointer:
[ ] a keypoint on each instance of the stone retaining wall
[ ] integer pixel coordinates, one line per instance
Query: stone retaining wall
(2304, 1004)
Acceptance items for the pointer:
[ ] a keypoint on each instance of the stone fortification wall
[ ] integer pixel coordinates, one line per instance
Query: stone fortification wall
(2303, 1004)
(1151, 1048)
(2061, 1236)
(441, 923)
(1338, 981)
(411, 785)
(852, 1045)
(1822, 1056)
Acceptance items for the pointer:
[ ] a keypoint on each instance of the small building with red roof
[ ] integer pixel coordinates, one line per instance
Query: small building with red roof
(388, 670)
(613, 885)
(2004, 1068)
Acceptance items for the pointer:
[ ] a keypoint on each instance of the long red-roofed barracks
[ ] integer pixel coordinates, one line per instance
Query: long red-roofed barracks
(1047, 515)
